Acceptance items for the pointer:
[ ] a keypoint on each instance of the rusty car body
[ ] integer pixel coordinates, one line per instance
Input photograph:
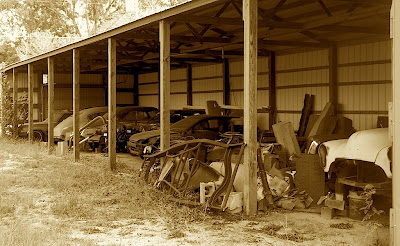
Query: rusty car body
(191, 127)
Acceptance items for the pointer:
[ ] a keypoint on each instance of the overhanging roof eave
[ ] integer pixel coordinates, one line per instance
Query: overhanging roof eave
(113, 32)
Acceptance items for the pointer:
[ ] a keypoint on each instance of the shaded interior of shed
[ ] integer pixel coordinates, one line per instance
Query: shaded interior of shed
(320, 47)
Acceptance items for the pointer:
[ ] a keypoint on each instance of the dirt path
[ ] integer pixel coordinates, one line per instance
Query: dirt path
(49, 200)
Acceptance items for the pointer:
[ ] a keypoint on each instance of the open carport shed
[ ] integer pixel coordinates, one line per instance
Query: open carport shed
(248, 53)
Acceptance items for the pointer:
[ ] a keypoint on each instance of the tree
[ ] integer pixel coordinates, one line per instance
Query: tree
(98, 12)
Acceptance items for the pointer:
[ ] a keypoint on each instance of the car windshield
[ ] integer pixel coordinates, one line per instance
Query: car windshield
(185, 124)
(138, 115)
(94, 115)
(62, 116)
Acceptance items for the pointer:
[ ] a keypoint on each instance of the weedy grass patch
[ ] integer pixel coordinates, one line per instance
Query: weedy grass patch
(88, 190)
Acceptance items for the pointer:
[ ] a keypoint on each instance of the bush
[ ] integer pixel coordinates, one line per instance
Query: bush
(7, 112)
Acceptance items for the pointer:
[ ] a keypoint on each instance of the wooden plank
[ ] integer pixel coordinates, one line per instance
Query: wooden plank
(39, 83)
(2, 125)
(285, 136)
(112, 103)
(272, 89)
(305, 114)
(76, 100)
(30, 101)
(395, 35)
(250, 16)
(164, 84)
(50, 99)
(105, 88)
(189, 89)
(333, 76)
(136, 88)
(328, 111)
(15, 104)
(226, 85)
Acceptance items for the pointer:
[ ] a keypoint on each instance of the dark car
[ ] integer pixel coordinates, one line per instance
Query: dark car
(130, 120)
(40, 129)
(191, 127)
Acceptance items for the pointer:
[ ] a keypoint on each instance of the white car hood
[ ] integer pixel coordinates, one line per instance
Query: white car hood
(369, 145)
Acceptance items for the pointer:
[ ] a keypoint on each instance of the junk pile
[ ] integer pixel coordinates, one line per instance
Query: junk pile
(211, 173)
(290, 174)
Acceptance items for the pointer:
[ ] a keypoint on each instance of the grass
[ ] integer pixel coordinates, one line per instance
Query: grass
(51, 200)
(87, 190)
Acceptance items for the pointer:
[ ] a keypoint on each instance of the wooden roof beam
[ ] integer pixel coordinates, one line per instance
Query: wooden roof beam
(356, 29)
(232, 21)
(272, 12)
(179, 38)
(218, 14)
(263, 43)
(325, 8)
(370, 2)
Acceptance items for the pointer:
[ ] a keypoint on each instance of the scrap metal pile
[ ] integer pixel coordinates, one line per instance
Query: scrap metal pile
(211, 173)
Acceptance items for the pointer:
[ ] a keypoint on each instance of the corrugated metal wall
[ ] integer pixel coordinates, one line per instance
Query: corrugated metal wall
(299, 74)
(365, 83)
(236, 82)
(207, 84)
(90, 97)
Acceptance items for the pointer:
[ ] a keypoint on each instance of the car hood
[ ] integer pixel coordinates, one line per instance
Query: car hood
(369, 145)
(147, 134)
(144, 135)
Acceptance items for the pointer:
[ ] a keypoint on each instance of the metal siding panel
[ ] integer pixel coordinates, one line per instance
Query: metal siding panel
(207, 85)
(201, 99)
(237, 98)
(148, 77)
(178, 101)
(124, 98)
(123, 81)
(179, 86)
(148, 89)
(180, 73)
(150, 101)
(373, 97)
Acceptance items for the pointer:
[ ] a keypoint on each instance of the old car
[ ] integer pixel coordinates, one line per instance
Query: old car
(40, 129)
(64, 129)
(130, 120)
(192, 127)
(366, 154)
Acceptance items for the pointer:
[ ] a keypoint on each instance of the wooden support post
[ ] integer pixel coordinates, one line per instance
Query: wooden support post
(136, 88)
(30, 101)
(15, 103)
(227, 86)
(76, 101)
(159, 85)
(40, 95)
(112, 103)
(272, 89)
(189, 85)
(333, 88)
(50, 100)
(104, 78)
(396, 120)
(164, 84)
(2, 124)
(250, 105)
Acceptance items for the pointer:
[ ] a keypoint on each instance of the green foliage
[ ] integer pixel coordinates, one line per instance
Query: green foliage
(8, 107)
(369, 209)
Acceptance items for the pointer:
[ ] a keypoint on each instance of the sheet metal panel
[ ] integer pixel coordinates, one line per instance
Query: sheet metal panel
(364, 77)
(309, 74)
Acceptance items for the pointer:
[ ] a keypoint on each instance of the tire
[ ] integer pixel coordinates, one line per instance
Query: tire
(38, 136)
(151, 170)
